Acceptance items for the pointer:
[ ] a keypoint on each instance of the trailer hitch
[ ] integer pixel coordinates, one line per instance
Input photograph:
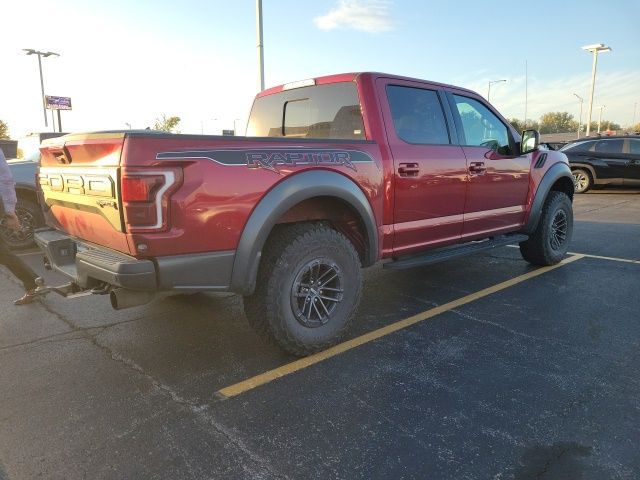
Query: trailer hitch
(68, 290)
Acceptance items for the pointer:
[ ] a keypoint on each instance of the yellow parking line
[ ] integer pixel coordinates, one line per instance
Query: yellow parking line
(266, 377)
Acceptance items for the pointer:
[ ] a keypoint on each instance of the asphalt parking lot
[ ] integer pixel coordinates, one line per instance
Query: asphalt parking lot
(479, 368)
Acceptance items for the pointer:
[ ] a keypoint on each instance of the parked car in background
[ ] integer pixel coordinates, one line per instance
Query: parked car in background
(552, 145)
(604, 161)
(27, 208)
(24, 173)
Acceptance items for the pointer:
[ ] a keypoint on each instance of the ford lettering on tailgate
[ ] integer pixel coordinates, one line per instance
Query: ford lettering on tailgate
(93, 191)
(79, 184)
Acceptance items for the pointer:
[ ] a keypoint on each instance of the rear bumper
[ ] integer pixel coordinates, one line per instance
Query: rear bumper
(89, 265)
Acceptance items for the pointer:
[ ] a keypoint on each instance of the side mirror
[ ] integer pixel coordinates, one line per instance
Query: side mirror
(530, 141)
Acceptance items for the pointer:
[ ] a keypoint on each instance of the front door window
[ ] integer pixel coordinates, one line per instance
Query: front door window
(480, 127)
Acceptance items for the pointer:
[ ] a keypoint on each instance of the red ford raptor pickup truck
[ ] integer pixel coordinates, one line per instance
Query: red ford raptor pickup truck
(335, 174)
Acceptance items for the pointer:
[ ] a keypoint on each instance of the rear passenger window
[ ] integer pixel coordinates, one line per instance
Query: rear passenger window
(609, 146)
(634, 146)
(417, 115)
(329, 111)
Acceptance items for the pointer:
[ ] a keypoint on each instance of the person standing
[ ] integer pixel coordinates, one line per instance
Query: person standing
(15, 264)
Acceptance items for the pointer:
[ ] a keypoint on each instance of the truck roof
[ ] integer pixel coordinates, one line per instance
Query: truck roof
(351, 77)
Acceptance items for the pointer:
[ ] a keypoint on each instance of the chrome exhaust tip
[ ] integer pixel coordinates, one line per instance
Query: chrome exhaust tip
(122, 298)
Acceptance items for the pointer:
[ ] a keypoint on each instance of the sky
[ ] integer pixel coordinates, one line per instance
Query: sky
(127, 62)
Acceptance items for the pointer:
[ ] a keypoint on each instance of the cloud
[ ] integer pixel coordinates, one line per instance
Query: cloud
(371, 16)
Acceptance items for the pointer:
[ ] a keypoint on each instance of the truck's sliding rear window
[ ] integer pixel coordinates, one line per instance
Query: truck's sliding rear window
(321, 111)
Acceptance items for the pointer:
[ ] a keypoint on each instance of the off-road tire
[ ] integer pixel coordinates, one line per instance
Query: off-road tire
(289, 250)
(582, 179)
(30, 217)
(550, 241)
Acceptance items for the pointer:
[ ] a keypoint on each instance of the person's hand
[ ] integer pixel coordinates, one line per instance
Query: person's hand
(11, 221)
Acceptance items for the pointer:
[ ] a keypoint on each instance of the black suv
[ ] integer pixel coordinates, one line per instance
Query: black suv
(604, 161)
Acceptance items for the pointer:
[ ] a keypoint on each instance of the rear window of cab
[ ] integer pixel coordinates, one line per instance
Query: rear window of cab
(329, 111)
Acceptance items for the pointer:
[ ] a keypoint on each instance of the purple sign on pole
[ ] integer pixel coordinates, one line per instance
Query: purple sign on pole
(58, 103)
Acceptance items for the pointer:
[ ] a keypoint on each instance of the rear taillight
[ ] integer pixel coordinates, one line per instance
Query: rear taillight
(145, 197)
(141, 188)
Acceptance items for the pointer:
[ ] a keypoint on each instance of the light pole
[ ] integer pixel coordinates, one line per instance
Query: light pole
(633, 123)
(580, 118)
(594, 49)
(235, 131)
(206, 120)
(601, 107)
(260, 46)
(31, 51)
(489, 89)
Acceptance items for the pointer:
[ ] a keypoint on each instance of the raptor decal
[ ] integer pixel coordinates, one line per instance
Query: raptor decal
(274, 159)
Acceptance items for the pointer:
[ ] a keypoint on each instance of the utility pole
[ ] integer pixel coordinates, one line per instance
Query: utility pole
(580, 119)
(260, 44)
(526, 93)
(600, 117)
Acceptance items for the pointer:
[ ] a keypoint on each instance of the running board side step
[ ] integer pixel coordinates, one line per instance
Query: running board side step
(456, 251)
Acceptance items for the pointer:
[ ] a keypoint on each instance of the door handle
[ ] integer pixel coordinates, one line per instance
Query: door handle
(477, 168)
(408, 170)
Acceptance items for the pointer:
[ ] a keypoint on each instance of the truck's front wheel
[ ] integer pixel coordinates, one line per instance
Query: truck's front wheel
(550, 241)
(308, 288)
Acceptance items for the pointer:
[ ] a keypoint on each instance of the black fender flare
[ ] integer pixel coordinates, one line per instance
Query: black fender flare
(555, 173)
(285, 195)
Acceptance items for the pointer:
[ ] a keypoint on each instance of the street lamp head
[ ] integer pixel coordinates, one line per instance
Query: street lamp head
(597, 47)
(579, 97)
(31, 51)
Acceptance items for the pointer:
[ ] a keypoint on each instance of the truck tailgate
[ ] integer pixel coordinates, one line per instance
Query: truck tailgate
(78, 177)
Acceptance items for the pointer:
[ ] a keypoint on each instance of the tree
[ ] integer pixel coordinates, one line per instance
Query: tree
(166, 124)
(4, 131)
(557, 122)
(519, 125)
(636, 128)
(604, 126)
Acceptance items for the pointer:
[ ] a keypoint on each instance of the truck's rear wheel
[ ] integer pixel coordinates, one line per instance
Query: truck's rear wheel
(550, 241)
(308, 288)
